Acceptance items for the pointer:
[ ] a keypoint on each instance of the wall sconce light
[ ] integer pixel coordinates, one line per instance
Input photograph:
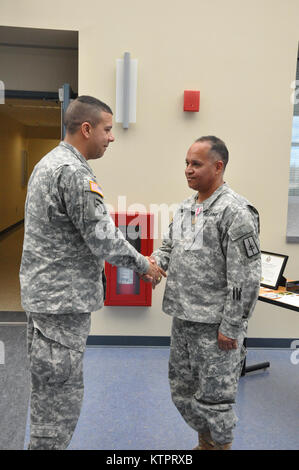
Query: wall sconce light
(126, 90)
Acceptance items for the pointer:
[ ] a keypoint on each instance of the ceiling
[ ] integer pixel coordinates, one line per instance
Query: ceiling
(33, 112)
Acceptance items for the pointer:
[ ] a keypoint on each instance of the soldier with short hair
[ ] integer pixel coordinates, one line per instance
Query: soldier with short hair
(68, 235)
(212, 255)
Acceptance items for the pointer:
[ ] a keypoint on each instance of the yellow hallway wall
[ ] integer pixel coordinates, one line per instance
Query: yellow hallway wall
(15, 138)
(12, 193)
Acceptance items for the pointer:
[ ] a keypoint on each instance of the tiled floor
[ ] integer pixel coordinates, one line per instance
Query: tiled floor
(127, 404)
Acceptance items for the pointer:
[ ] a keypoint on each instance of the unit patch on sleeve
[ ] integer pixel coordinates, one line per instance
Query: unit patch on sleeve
(95, 188)
(251, 246)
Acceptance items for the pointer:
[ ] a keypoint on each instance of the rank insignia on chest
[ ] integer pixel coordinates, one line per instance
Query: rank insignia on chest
(95, 188)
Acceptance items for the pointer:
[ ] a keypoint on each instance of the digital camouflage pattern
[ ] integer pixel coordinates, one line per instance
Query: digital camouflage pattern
(219, 281)
(204, 379)
(68, 235)
(56, 345)
(212, 286)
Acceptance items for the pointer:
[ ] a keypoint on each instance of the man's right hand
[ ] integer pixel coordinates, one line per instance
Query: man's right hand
(154, 272)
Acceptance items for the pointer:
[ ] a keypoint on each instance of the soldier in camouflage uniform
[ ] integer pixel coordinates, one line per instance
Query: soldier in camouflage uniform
(68, 235)
(212, 255)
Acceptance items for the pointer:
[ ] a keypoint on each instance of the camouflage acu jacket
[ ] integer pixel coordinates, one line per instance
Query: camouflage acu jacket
(68, 235)
(214, 270)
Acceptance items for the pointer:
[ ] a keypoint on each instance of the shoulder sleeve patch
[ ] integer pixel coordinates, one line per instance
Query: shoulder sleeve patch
(95, 188)
(251, 246)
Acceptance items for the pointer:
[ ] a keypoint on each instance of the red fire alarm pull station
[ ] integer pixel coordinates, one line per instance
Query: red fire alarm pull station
(124, 288)
(191, 100)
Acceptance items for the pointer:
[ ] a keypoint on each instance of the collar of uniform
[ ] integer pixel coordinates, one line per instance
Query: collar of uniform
(208, 202)
(78, 155)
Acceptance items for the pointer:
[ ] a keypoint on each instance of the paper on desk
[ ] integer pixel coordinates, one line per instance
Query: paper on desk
(290, 299)
(271, 295)
(286, 297)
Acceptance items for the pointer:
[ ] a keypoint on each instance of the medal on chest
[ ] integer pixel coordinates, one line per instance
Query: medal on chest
(195, 216)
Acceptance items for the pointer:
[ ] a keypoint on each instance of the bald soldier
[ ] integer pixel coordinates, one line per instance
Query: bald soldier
(68, 235)
(212, 255)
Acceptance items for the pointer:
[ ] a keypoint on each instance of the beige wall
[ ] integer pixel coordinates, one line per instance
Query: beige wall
(242, 57)
(54, 68)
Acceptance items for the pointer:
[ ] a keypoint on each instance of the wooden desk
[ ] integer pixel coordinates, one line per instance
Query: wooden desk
(280, 298)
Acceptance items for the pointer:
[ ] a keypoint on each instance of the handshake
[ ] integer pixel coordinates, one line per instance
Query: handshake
(154, 273)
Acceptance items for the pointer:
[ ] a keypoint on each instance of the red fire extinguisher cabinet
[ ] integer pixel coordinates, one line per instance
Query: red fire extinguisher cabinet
(124, 288)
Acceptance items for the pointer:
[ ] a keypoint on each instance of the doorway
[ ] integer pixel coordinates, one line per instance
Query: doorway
(35, 63)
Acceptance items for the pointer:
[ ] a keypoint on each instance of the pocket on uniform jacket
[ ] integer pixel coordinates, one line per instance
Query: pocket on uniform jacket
(50, 361)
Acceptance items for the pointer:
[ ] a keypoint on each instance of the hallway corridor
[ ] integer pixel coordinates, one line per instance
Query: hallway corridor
(10, 257)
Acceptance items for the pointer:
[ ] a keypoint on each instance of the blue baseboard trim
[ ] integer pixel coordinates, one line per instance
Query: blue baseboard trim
(13, 317)
(128, 341)
(274, 343)
(158, 341)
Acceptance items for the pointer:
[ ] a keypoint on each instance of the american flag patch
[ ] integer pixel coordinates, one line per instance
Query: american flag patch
(95, 188)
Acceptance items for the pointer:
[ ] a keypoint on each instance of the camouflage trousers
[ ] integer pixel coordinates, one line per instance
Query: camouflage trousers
(204, 379)
(56, 345)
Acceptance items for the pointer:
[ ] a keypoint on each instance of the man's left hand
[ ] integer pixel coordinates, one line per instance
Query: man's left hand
(226, 343)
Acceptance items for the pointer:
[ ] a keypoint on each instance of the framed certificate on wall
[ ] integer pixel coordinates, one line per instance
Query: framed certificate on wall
(273, 265)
